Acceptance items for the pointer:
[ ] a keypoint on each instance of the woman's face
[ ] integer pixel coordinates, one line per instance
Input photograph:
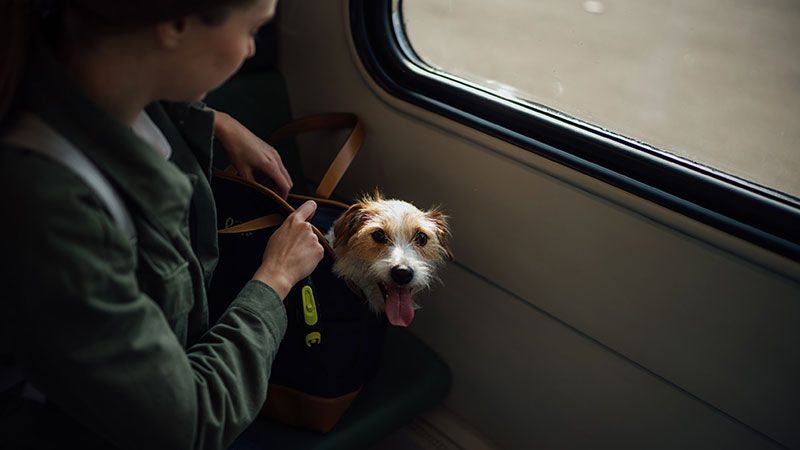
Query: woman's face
(209, 54)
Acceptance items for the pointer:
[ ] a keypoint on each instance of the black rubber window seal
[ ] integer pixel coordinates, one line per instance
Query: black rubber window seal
(765, 217)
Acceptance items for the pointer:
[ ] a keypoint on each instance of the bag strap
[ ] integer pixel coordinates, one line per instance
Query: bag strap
(345, 155)
(269, 220)
(32, 133)
(329, 181)
(260, 223)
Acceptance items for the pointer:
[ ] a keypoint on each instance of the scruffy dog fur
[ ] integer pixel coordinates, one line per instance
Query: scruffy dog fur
(390, 250)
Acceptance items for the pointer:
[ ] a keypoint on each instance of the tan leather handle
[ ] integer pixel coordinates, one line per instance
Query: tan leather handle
(259, 223)
(346, 154)
(271, 220)
(267, 221)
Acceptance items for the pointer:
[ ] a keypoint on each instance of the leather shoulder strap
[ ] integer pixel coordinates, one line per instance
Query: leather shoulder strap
(32, 133)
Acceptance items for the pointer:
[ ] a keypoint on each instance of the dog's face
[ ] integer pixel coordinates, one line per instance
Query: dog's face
(391, 250)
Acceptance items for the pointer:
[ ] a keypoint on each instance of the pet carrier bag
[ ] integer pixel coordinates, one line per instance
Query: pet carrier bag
(333, 342)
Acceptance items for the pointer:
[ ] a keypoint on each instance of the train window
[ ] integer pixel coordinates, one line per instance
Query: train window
(691, 105)
(716, 82)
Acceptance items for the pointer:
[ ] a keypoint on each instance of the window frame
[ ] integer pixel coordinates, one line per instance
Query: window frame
(765, 217)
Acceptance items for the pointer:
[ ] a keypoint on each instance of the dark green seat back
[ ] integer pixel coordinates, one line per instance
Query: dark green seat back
(256, 96)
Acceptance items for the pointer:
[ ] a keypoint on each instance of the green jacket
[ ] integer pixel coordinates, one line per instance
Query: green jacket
(117, 337)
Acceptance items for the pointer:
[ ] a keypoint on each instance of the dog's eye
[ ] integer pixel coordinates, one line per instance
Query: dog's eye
(421, 239)
(380, 237)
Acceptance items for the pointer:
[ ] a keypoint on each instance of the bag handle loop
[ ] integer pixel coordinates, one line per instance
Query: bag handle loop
(256, 224)
(269, 220)
(329, 181)
(345, 155)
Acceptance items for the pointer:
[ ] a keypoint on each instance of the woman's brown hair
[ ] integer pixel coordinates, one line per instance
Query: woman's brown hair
(22, 20)
(17, 19)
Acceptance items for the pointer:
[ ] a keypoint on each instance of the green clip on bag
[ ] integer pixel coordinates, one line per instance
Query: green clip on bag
(333, 342)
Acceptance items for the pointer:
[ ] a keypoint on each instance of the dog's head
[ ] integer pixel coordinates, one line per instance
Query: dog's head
(391, 250)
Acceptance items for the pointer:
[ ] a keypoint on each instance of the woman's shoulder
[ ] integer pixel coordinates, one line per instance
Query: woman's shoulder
(28, 174)
(42, 194)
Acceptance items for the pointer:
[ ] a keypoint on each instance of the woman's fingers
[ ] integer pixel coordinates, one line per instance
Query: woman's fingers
(277, 173)
(249, 154)
(292, 252)
(306, 210)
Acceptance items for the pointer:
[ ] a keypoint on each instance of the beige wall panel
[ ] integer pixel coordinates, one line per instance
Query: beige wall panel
(716, 316)
(530, 382)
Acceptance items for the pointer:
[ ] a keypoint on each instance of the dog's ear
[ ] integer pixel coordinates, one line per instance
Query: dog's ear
(348, 223)
(373, 196)
(442, 231)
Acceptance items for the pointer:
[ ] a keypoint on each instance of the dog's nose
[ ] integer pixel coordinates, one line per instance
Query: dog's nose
(402, 274)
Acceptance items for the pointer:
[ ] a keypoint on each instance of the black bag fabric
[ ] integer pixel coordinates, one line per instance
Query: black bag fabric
(321, 364)
(350, 335)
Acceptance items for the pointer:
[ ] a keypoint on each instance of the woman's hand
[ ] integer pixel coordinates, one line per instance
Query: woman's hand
(249, 154)
(292, 252)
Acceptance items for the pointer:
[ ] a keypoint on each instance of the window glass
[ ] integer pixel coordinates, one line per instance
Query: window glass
(713, 81)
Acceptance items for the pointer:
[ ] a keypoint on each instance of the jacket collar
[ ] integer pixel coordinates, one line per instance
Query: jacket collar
(154, 187)
(190, 127)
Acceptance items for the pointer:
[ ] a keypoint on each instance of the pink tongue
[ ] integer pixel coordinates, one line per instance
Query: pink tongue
(399, 309)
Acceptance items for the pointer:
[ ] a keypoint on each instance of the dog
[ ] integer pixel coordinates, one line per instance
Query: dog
(390, 250)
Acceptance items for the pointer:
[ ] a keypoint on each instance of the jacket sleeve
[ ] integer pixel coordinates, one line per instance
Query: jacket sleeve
(103, 352)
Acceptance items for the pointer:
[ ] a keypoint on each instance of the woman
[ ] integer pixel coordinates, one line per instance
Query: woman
(113, 335)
